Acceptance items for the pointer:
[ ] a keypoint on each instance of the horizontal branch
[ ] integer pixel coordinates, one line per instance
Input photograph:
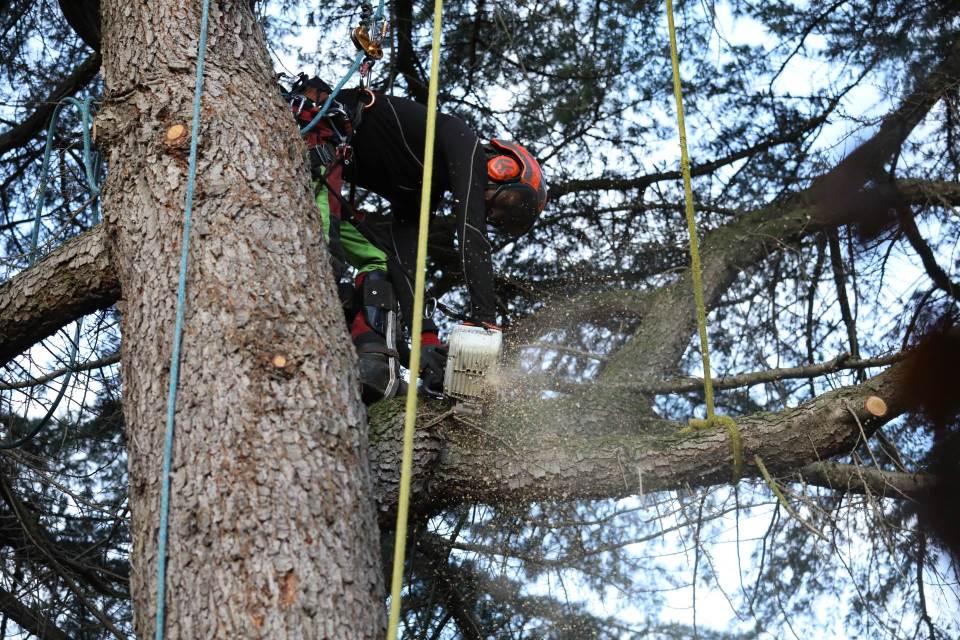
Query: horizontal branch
(692, 384)
(929, 192)
(90, 365)
(857, 479)
(70, 282)
(530, 448)
(840, 363)
(641, 182)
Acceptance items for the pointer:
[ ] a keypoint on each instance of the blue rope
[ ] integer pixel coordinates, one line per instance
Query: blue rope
(88, 165)
(326, 105)
(42, 193)
(353, 69)
(178, 333)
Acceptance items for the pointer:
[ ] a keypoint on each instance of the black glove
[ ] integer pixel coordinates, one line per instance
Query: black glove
(433, 360)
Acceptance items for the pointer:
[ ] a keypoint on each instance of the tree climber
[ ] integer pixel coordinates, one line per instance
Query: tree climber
(381, 149)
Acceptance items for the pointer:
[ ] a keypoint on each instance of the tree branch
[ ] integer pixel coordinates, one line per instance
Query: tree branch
(99, 363)
(850, 477)
(830, 201)
(939, 277)
(641, 182)
(72, 281)
(691, 384)
(532, 449)
(26, 130)
(28, 619)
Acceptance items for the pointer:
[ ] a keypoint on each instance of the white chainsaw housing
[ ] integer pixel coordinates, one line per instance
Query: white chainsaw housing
(472, 358)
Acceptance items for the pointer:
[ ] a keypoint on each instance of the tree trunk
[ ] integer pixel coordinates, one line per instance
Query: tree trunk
(272, 529)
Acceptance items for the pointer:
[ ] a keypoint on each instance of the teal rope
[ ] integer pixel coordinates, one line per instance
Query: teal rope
(88, 165)
(353, 69)
(178, 333)
(42, 192)
(329, 101)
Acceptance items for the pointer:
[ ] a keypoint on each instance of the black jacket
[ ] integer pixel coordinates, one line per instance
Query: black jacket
(388, 160)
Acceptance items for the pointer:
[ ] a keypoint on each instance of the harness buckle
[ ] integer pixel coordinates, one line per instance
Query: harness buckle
(345, 152)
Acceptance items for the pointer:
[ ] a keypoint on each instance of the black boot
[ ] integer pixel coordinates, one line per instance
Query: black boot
(374, 330)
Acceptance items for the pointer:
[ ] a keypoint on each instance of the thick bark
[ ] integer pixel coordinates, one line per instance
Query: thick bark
(70, 282)
(272, 530)
(529, 450)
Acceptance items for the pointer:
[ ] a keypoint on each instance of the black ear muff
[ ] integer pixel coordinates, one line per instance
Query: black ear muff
(503, 169)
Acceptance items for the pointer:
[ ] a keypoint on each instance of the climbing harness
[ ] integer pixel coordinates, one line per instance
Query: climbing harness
(410, 417)
(712, 420)
(358, 220)
(178, 332)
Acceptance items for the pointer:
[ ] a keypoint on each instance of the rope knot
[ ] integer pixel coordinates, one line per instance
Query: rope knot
(733, 432)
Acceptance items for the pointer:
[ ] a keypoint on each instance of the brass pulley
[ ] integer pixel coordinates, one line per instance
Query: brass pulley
(361, 38)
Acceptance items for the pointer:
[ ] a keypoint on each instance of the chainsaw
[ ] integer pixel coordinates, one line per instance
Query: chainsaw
(473, 355)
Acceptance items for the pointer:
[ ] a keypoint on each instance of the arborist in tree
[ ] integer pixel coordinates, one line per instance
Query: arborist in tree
(376, 142)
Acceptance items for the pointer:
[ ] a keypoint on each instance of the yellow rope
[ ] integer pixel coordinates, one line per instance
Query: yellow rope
(406, 469)
(695, 269)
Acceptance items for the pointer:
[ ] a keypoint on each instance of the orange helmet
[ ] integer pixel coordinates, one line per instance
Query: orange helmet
(519, 180)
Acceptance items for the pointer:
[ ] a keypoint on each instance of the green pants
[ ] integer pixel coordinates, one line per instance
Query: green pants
(360, 252)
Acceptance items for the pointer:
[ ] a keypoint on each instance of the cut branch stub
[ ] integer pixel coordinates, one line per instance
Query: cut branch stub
(176, 134)
(876, 406)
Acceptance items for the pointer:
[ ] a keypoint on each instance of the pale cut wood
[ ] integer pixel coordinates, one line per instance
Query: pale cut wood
(876, 406)
(176, 132)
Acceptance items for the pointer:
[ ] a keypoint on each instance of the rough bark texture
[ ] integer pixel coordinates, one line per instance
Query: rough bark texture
(272, 533)
(272, 529)
(530, 450)
(74, 280)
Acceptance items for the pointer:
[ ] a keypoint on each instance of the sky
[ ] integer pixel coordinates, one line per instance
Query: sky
(804, 71)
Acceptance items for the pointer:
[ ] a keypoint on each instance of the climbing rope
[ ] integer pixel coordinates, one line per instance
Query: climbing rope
(178, 332)
(403, 506)
(357, 63)
(89, 167)
(42, 190)
(712, 420)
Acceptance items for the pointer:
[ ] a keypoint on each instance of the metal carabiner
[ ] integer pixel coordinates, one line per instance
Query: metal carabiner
(373, 98)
